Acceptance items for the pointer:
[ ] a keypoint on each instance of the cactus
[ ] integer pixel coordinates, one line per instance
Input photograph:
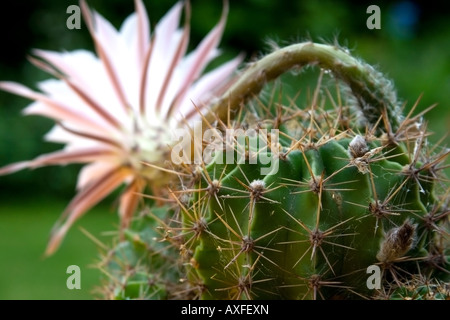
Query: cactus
(316, 193)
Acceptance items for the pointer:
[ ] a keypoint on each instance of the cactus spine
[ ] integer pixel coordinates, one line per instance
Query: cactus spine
(355, 184)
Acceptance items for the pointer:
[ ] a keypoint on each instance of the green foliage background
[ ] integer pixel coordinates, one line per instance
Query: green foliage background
(412, 48)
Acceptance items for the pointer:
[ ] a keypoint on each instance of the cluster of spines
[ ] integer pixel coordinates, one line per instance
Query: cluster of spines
(205, 209)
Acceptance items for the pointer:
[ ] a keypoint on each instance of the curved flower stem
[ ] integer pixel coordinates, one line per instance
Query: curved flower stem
(374, 94)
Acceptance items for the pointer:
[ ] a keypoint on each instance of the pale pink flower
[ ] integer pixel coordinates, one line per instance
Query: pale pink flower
(115, 110)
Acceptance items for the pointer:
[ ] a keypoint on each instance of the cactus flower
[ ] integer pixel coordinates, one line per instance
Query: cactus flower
(115, 110)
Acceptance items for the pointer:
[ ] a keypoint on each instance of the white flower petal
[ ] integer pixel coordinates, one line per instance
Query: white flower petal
(167, 40)
(127, 31)
(85, 71)
(55, 109)
(206, 88)
(76, 141)
(198, 60)
(83, 201)
(92, 172)
(119, 59)
(143, 32)
(64, 157)
(60, 92)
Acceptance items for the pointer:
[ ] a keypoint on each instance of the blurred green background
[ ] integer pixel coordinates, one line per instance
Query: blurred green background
(412, 48)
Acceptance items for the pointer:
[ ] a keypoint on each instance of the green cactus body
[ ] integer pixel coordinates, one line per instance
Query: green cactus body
(342, 198)
(139, 266)
(267, 237)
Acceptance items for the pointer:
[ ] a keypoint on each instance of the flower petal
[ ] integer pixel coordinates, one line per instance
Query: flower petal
(72, 156)
(210, 85)
(198, 60)
(167, 41)
(136, 32)
(85, 76)
(93, 171)
(84, 201)
(54, 108)
(110, 49)
(129, 201)
(14, 167)
(143, 33)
